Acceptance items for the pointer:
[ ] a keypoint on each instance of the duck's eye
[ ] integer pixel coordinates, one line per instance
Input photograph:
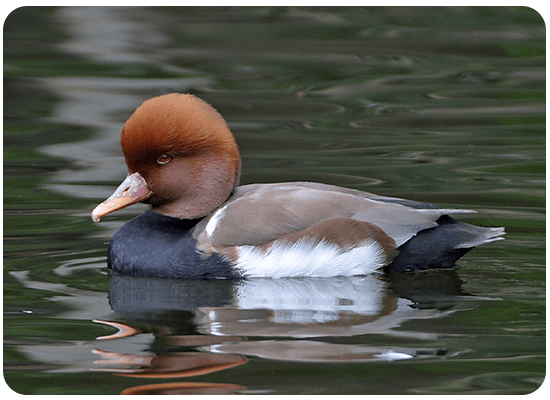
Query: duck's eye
(165, 158)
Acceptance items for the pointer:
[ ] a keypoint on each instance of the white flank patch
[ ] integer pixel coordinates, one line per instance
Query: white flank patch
(214, 220)
(307, 258)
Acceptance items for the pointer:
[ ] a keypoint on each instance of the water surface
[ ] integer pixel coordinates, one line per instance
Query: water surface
(444, 105)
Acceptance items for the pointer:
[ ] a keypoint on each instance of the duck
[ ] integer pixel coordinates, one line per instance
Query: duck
(183, 161)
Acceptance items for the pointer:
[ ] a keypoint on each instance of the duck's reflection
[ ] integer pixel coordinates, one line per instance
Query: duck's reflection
(200, 327)
(290, 308)
(171, 365)
(189, 388)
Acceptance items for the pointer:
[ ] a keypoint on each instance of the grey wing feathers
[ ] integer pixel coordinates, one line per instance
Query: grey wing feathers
(257, 214)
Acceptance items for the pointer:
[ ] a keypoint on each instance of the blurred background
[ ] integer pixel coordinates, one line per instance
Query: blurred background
(444, 105)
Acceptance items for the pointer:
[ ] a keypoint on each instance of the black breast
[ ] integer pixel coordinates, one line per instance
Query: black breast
(157, 245)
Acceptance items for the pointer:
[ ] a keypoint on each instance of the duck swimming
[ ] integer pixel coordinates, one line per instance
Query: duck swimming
(184, 162)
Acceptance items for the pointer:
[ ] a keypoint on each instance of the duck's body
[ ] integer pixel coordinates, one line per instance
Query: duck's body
(182, 159)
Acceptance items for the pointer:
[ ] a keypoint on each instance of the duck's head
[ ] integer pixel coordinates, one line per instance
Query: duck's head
(182, 158)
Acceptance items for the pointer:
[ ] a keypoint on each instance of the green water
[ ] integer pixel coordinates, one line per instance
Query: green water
(444, 105)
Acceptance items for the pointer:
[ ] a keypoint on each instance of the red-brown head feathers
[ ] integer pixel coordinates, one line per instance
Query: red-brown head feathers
(176, 124)
(185, 151)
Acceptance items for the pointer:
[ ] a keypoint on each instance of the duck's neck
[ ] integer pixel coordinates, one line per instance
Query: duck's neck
(166, 219)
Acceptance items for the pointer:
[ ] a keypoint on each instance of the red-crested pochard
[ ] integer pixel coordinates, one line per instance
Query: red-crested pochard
(183, 161)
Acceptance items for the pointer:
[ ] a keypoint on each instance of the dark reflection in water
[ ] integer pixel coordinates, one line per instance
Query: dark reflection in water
(203, 327)
(442, 105)
(298, 307)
